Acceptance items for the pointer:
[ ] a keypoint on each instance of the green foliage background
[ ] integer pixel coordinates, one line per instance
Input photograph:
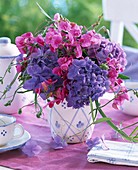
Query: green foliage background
(20, 16)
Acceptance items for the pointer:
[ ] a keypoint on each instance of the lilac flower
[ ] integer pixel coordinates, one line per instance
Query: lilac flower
(58, 143)
(31, 148)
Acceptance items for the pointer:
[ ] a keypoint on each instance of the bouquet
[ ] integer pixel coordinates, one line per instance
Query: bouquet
(66, 61)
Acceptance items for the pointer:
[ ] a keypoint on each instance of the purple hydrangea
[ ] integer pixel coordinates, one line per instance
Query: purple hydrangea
(108, 49)
(92, 143)
(31, 148)
(40, 69)
(86, 79)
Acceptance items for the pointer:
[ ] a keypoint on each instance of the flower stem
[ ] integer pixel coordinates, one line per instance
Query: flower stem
(12, 82)
(110, 123)
(129, 126)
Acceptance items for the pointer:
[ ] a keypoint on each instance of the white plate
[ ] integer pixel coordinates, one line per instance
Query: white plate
(16, 143)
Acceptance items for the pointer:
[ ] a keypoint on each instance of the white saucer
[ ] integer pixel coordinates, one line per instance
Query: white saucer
(16, 143)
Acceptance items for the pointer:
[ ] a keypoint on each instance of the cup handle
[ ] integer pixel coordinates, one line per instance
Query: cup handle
(21, 132)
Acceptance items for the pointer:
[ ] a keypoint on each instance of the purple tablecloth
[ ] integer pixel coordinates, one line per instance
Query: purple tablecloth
(73, 157)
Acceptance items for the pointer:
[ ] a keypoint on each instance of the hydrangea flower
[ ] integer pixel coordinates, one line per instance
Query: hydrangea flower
(31, 148)
(86, 80)
(58, 143)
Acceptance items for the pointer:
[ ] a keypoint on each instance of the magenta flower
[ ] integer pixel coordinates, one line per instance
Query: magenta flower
(49, 36)
(121, 96)
(76, 30)
(57, 17)
(40, 40)
(56, 41)
(85, 40)
(64, 26)
(78, 51)
(25, 42)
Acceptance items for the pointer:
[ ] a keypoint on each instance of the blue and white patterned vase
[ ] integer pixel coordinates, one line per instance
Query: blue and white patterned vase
(71, 124)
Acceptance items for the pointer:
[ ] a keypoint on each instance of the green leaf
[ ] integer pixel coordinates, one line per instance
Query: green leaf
(44, 11)
(104, 66)
(123, 77)
(92, 112)
(105, 119)
(91, 105)
(134, 131)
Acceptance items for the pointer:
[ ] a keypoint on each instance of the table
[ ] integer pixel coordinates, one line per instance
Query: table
(73, 157)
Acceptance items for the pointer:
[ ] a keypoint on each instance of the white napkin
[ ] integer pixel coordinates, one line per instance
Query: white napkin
(120, 153)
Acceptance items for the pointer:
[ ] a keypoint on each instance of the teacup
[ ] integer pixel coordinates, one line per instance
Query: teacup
(8, 126)
(130, 106)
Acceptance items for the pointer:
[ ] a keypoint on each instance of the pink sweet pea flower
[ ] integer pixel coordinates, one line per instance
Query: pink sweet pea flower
(78, 51)
(62, 60)
(71, 39)
(56, 41)
(38, 90)
(25, 42)
(49, 36)
(57, 71)
(64, 63)
(18, 68)
(121, 96)
(40, 40)
(64, 26)
(85, 40)
(57, 17)
(96, 40)
(64, 67)
(76, 30)
(60, 94)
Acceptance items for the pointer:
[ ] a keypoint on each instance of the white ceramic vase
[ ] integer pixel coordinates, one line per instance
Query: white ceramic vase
(73, 125)
(8, 52)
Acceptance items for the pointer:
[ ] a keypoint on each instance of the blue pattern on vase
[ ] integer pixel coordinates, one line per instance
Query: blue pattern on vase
(71, 139)
(57, 125)
(80, 124)
(131, 99)
(64, 105)
(3, 133)
(69, 125)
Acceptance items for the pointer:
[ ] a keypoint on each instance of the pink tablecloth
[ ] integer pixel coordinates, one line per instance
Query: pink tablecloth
(73, 157)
